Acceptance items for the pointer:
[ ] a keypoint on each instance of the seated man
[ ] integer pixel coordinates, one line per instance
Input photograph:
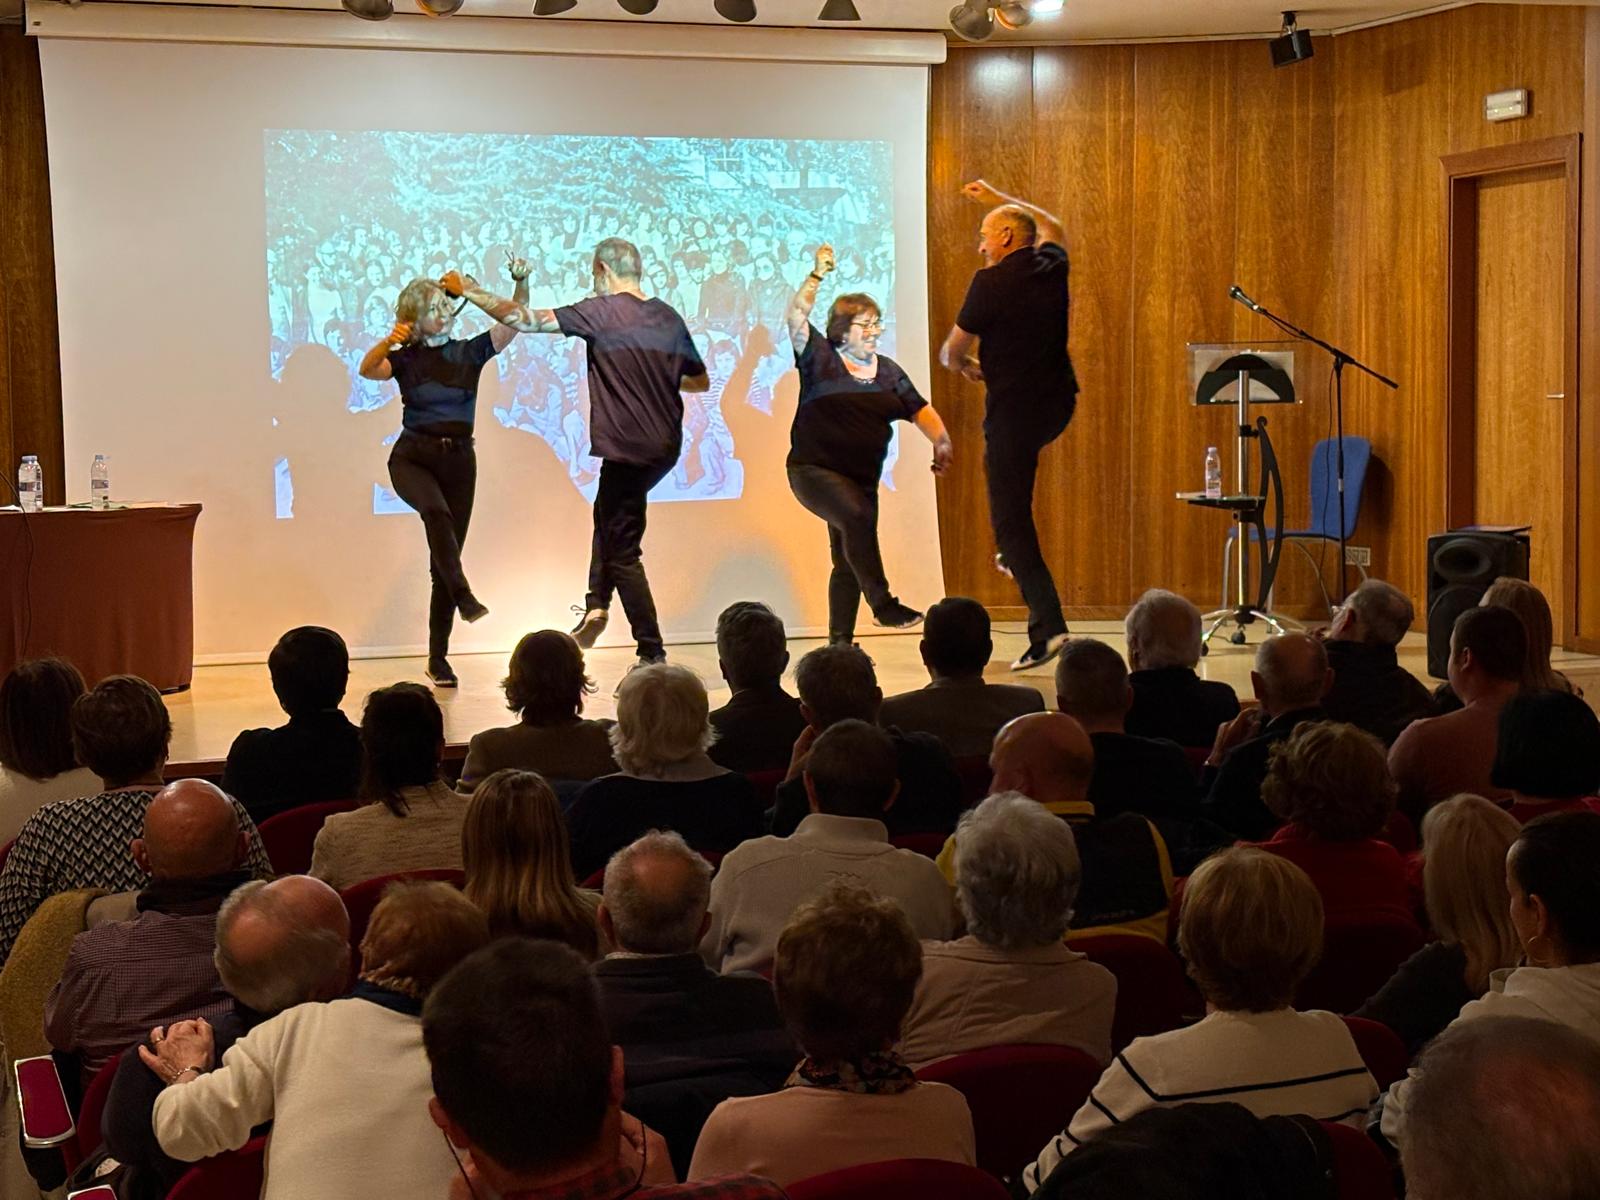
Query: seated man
(1371, 690)
(317, 755)
(957, 706)
(123, 977)
(838, 683)
(527, 1082)
(1169, 699)
(850, 784)
(690, 1037)
(757, 727)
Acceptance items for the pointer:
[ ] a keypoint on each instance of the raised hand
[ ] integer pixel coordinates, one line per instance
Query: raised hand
(518, 268)
(981, 191)
(825, 261)
(454, 283)
(400, 335)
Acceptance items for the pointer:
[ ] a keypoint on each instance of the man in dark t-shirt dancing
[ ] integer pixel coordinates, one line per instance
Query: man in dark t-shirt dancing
(1011, 335)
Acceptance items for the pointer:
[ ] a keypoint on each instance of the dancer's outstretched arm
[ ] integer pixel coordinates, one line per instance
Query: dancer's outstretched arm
(514, 315)
(932, 426)
(798, 318)
(1048, 225)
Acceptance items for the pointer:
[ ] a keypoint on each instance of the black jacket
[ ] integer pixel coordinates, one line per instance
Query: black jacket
(1150, 776)
(931, 796)
(1372, 691)
(756, 729)
(1175, 703)
(313, 758)
(1233, 791)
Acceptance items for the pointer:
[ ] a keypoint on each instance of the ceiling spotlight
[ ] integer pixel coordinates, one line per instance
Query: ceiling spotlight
(1048, 8)
(971, 20)
(439, 8)
(1013, 14)
(369, 10)
(839, 10)
(639, 8)
(549, 8)
(1292, 46)
(736, 10)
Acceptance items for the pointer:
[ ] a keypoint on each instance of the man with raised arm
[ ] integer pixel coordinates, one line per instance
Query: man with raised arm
(1011, 335)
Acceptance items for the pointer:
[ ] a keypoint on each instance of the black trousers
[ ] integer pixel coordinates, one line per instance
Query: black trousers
(438, 477)
(1011, 463)
(851, 511)
(615, 563)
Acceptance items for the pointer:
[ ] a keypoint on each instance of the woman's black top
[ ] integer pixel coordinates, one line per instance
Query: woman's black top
(842, 422)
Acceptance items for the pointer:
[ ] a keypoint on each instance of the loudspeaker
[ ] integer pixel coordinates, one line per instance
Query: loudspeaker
(1292, 47)
(1461, 566)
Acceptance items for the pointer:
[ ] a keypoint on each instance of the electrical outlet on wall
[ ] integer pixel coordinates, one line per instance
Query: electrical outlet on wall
(1358, 556)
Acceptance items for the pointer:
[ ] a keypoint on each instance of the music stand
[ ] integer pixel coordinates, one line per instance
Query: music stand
(1242, 374)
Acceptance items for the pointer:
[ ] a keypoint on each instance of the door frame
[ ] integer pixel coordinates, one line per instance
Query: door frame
(1462, 174)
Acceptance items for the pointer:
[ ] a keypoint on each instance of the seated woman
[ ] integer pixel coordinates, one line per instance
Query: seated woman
(667, 780)
(846, 969)
(1547, 754)
(519, 867)
(1011, 980)
(1250, 930)
(1555, 908)
(1528, 602)
(346, 1084)
(1464, 845)
(1330, 783)
(37, 763)
(545, 686)
(411, 819)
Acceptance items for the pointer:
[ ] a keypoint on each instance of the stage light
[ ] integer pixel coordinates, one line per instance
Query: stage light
(1048, 8)
(549, 8)
(839, 10)
(1294, 45)
(736, 10)
(1013, 14)
(439, 8)
(639, 8)
(369, 10)
(971, 20)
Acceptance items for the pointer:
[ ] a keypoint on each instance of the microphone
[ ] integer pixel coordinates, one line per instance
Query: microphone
(1235, 293)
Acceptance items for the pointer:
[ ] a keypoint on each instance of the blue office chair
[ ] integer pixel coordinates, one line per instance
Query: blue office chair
(1324, 527)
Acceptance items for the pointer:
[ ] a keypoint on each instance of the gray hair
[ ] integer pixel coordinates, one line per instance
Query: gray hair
(1384, 610)
(620, 255)
(1021, 220)
(1504, 1108)
(1091, 680)
(1167, 629)
(1017, 872)
(663, 718)
(298, 965)
(838, 682)
(656, 920)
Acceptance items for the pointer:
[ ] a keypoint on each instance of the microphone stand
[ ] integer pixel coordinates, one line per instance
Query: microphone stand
(1341, 360)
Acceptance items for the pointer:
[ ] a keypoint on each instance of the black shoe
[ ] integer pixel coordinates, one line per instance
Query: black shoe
(1037, 655)
(471, 608)
(896, 616)
(440, 673)
(591, 624)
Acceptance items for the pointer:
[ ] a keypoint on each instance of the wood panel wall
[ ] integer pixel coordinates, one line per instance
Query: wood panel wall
(1181, 169)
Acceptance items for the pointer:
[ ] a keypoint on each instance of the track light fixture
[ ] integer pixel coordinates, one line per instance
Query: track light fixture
(972, 20)
(639, 8)
(369, 10)
(439, 8)
(839, 10)
(549, 8)
(736, 10)
(1013, 14)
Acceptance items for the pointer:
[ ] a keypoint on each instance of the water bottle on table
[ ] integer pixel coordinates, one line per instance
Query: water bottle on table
(1213, 474)
(100, 482)
(30, 484)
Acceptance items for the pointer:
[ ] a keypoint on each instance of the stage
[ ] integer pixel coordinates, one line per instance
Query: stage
(226, 699)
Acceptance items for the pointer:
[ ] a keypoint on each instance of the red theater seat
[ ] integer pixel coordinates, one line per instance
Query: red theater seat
(289, 836)
(902, 1179)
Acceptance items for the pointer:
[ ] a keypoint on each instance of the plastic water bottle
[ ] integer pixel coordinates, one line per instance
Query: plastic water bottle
(1213, 473)
(30, 484)
(100, 482)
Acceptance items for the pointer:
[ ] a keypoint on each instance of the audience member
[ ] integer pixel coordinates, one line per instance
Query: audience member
(120, 730)
(1150, 776)
(122, 977)
(838, 683)
(1464, 844)
(757, 727)
(1169, 699)
(1127, 876)
(846, 970)
(545, 687)
(278, 944)
(518, 862)
(345, 1084)
(1437, 757)
(1290, 677)
(1547, 754)
(37, 762)
(851, 783)
(1011, 980)
(1555, 907)
(1250, 930)
(1371, 690)
(527, 1083)
(1329, 783)
(957, 706)
(690, 1038)
(1505, 1109)
(317, 755)
(667, 781)
(1528, 602)
(410, 819)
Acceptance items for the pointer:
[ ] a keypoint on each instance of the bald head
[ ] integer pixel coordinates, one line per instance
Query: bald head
(1046, 756)
(283, 943)
(656, 894)
(191, 831)
(1291, 673)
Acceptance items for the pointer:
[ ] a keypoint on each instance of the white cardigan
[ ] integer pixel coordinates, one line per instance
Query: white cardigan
(346, 1086)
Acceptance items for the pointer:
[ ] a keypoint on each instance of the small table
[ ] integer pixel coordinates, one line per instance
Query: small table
(110, 590)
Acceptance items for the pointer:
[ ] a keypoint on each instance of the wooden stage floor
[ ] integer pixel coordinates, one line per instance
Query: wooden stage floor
(227, 699)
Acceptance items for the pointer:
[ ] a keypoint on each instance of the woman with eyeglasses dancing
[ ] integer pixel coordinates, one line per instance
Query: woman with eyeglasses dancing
(850, 396)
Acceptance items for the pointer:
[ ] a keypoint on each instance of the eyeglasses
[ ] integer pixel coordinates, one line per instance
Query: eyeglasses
(873, 325)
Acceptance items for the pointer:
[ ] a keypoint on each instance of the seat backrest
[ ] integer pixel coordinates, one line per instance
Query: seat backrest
(1020, 1097)
(1359, 955)
(901, 1179)
(1325, 484)
(5, 852)
(1381, 1049)
(361, 898)
(235, 1175)
(289, 836)
(1153, 993)
(94, 1104)
(1360, 1171)
(976, 775)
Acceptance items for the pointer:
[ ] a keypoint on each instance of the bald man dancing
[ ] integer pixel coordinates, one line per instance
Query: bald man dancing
(1011, 335)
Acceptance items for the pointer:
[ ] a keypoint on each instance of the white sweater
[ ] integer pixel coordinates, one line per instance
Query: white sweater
(1279, 1063)
(346, 1086)
(21, 797)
